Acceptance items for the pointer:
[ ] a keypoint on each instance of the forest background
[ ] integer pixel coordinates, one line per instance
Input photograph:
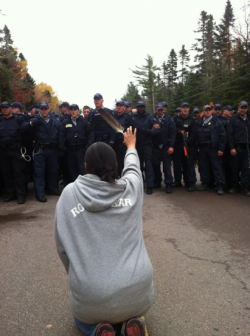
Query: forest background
(216, 69)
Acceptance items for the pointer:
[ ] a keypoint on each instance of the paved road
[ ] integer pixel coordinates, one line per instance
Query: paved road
(199, 245)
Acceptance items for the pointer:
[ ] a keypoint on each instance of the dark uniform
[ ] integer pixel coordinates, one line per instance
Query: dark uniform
(102, 131)
(238, 131)
(46, 133)
(211, 139)
(77, 137)
(144, 122)
(119, 147)
(12, 163)
(161, 144)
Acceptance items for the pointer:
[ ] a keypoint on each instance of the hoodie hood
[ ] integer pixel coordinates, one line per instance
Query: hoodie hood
(96, 195)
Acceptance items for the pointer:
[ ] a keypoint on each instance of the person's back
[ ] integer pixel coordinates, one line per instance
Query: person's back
(99, 240)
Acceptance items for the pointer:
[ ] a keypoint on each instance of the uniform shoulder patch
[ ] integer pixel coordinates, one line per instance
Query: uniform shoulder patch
(68, 125)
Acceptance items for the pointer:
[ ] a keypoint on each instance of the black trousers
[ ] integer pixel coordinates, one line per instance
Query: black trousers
(183, 162)
(209, 156)
(239, 163)
(14, 172)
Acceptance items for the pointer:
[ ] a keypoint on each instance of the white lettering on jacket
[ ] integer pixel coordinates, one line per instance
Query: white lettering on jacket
(122, 202)
(76, 210)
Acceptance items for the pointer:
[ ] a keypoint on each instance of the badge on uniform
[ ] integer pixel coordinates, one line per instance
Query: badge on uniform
(209, 123)
(69, 125)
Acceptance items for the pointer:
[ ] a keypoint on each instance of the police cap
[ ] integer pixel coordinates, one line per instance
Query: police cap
(243, 103)
(44, 104)
(164, 104)
(73, 107)
(5, 104)
(127, 104)
(217, 107)
(228, 107)
(178, 109)
(64, 104)
(98, 96)
(207, 107)
(140, 103)
(184, 104)
(196, 110)
(159, 106)
(120, 102)
(17, 105)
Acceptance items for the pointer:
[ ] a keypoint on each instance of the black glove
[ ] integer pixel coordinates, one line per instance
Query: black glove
(19, 120)
(61, 150)
(35, 122)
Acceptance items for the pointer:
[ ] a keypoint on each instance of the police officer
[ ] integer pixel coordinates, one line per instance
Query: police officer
(12, 163)
(163, 148)
(144, 122)
(226, 115)
(46, 132)
(102, 131)
(65, 113)
(185, 149)
(196, 113)
(218, 110)
(119, 147)
(165, 106)
(211, 144)
(17, 108)
(77, 136)
(238, 131)
(128, 107)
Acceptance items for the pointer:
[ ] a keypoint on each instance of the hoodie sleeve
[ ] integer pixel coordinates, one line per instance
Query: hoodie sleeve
(132, 166)
(60, 249)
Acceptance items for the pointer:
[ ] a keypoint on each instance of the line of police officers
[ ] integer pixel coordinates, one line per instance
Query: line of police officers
(43, 147)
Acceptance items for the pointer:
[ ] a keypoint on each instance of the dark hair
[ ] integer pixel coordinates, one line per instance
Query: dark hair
(100, 159)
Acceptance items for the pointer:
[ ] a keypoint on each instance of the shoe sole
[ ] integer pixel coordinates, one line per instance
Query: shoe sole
(135, 327)
(105, 330)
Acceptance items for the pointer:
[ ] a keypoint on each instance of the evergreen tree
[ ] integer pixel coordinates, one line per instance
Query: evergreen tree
(147, 77)
(184, 60)
(132, 95)
(7, 41)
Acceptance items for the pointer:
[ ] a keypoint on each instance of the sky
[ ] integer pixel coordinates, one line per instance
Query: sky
(83, 47)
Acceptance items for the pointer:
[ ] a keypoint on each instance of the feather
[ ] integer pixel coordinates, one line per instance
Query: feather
(111, 120)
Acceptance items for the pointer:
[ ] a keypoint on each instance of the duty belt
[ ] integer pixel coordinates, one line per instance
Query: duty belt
(47, 145)
(10, 147)
(102, 138)
(205, 144)
(76, 147)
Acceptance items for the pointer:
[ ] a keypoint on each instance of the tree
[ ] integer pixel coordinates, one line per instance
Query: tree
(132, 95)
(147, 78)
(7, 40)
(184, 60)
(45, 92)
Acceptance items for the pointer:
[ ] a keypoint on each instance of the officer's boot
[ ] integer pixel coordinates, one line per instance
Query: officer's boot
(191, 187)
(203, 187)
(246, 192)
(220, 190)
(169, 188)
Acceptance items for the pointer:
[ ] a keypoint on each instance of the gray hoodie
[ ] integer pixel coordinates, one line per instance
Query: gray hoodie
(98, 231)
